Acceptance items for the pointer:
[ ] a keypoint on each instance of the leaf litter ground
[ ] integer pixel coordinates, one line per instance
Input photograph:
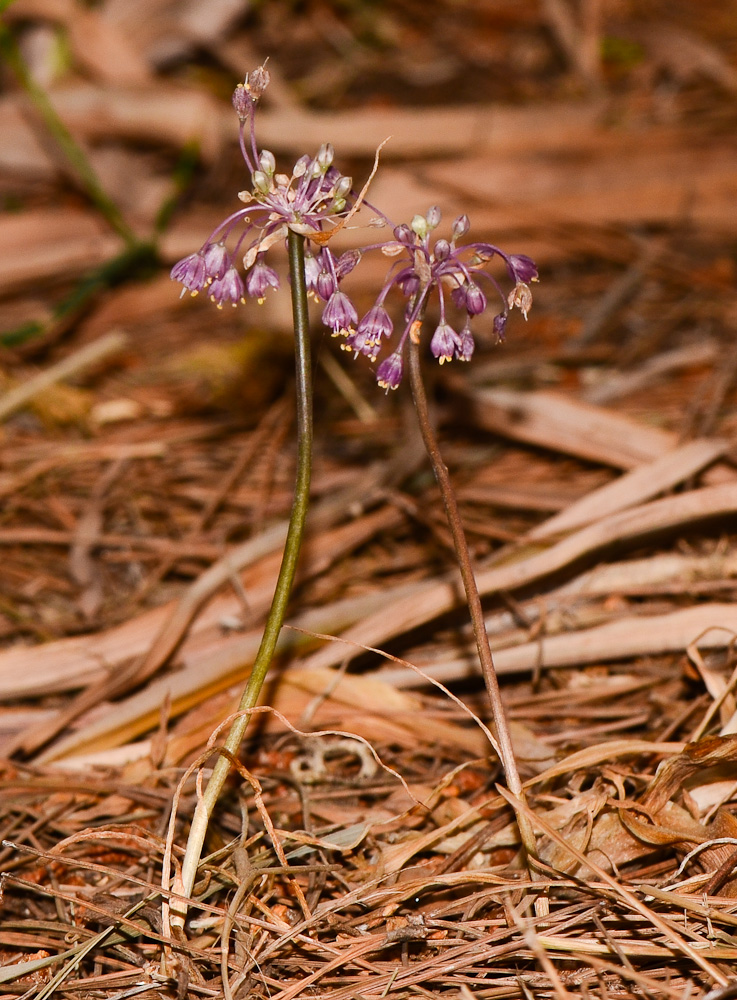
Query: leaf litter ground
(364, 848)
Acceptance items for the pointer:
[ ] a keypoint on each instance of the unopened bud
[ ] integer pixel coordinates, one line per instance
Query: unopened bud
(301, 166)
(325, 155)
(461, 226)
(418, 225)
(404, 234)
(346, 262)
(433, 217)
(261, 182)
(343, 187)
(242, 102)
(267, 162)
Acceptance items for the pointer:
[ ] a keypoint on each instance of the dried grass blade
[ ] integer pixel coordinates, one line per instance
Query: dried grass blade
(634, 487)
(657, 518)
(561, 424)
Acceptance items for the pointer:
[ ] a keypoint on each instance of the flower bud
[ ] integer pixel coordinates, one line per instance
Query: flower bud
(475, 300)
(441, 251)
(301, 166)
(346, 262)
(433, 217)
(261, 182)
(343, 187)
(325, 284)
(242, 102)
(325, 156)
(418, 225)
(403, 234)
(460, 227)
(267, 162)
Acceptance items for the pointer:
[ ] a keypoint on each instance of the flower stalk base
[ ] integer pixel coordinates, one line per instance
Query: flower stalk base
(205, 805)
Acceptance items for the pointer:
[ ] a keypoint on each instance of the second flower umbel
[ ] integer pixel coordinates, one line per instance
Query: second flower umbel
(457, 274)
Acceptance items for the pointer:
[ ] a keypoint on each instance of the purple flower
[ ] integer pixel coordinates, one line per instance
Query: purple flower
(445, 343)
(312, 273)
(500, 327)
(191, 272)
(217, 260)
(315, 201)
(453, 274)
(521, 268)
(310, 202)
(345, 263)
(339, 315)
(460, 227)
(377, 323)
(361, 342)
(390, 371)
(467, 345)
(229, 288)
(259, 279)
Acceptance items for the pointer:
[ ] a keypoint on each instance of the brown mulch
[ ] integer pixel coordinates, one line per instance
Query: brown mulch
(146, 462)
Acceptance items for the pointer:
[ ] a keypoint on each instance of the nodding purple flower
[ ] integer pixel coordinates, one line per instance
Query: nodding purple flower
(229, 288)
(390, 371)
(340, 315)
(452, 272)
(217, 260)
(521, 268)
(445, 343)
(366, 338)
(191, 272)
(312, 273)
(311, 201)
(377, 323)
(259, 279)
(467, 345)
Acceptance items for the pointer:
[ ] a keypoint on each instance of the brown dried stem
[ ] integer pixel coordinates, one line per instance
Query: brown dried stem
(504, 739)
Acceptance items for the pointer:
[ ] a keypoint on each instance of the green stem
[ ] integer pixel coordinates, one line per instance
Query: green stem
(277, 612)
(504, 739)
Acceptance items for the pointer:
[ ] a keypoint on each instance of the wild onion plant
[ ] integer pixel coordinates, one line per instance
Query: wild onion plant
(305, 209)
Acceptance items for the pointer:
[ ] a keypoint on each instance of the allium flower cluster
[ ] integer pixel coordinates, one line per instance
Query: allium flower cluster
(309, 201)
(314, 200)
(455, 273)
